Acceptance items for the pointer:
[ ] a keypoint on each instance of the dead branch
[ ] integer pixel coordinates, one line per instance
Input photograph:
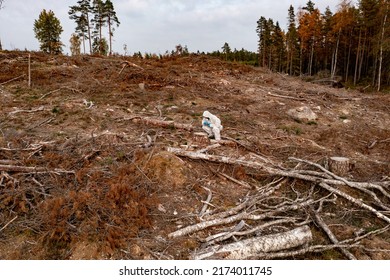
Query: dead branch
(221, 159)
(59, 89)
(287, 97)
(128, 63)
(241, 183)
(368, 234)
(7, 224)
(208, 148)
(237, 217)
(27, 111)
(298, 174)
(206, 202)
(14, 79)
(251, 247)
(161, 123)
(321, 223)
(28, 169)
(250, 201)
(226, 235)
(350, 184)
(8, 161)
(355, 201)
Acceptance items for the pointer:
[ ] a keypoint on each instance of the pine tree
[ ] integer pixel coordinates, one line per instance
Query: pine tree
(226, 50)
(99, 18)
(279, 52)
(112, 19)
(80, 14)
(47, 29)
(292, 42)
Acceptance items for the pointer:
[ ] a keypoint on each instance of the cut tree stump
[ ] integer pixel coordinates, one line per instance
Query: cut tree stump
(339, 165)
(201, 138)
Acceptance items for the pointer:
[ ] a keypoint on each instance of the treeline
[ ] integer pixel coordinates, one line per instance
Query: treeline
(352, 45)
(244, 56)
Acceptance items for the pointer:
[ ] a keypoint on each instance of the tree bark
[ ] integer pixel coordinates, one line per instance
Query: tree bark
(381, 49)
(251, 247)
(339, 165)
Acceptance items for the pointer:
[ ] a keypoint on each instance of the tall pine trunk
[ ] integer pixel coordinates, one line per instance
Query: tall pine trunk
(89, 35)
(335, 56)
(357, 59)
(110, 35)
(381, 49)
(311, 58)
(348, 57)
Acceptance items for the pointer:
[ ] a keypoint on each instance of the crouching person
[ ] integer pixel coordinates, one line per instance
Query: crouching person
(212, 125)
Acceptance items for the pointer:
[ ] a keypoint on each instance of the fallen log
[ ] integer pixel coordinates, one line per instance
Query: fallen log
(253, 246)
(161, 123)
(221, 159)
(31, 169)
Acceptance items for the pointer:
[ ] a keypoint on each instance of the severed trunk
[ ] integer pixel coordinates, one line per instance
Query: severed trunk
(339, 165)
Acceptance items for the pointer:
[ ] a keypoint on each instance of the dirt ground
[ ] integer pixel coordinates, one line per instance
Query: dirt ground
(82, 179)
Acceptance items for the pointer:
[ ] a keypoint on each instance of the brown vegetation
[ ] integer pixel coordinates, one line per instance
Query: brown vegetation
(81, 179)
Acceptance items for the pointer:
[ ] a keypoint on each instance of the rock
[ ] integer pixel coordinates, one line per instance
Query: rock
(303, 113)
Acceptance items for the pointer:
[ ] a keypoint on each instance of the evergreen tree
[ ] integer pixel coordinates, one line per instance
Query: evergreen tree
(112, 19)
(47, 29)
(292, 42)
(99, 17)
(264, 34)
(226, 50)
(279, 51)
(80, 14)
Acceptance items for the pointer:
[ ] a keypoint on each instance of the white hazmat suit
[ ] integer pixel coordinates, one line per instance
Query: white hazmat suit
(212, 125)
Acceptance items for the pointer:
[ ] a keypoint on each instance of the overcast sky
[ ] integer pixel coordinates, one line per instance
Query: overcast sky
(158, 25)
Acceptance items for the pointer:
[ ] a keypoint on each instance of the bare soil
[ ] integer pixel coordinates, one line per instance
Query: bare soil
(107, 187)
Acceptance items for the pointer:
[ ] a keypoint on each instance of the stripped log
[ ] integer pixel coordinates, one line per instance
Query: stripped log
(161, 123)
(31, 169)
(251, 247)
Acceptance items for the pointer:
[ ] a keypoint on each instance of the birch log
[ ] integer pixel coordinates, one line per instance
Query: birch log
(247, 248)
(161, 123)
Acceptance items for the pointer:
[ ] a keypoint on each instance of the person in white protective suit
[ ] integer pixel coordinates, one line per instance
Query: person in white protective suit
(212, 125)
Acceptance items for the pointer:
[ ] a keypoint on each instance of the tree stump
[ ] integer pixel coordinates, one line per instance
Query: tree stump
(201, 138)
(339, 165)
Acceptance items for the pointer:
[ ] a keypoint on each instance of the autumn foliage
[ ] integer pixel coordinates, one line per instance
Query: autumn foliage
(350, 45)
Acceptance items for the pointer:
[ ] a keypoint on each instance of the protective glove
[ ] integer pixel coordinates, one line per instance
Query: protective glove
(207, 123)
